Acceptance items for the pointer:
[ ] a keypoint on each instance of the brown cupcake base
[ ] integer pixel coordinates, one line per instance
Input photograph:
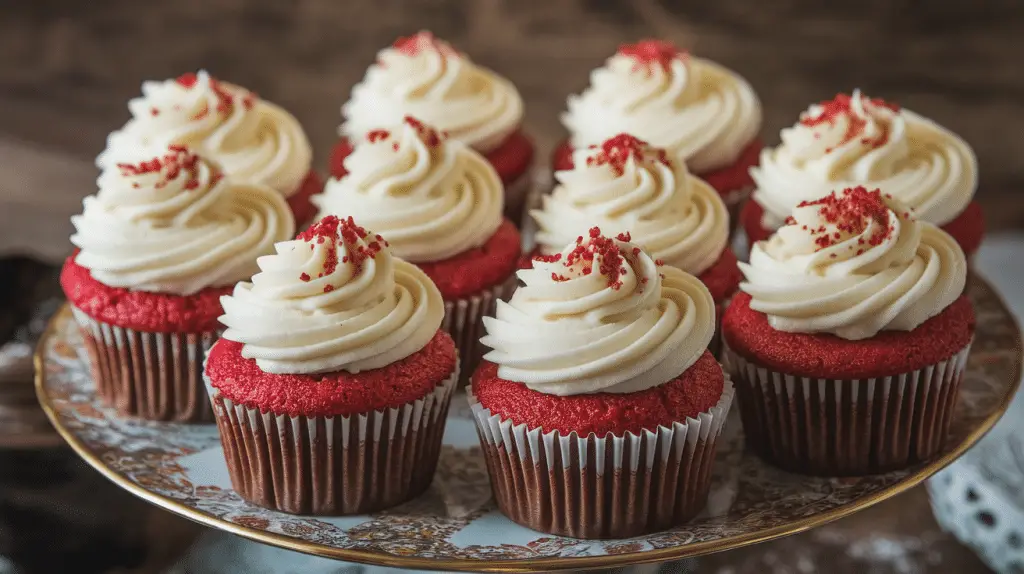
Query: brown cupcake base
(846, 427)
(152, 376)
(464, 321)
(601, 488)
(332, 466)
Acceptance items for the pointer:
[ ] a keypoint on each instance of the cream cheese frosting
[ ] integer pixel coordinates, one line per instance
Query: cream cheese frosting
(334, 299)
(252, 139)
(853, 264)
(432, 197)
(424, 77)
(173, 224)
(600, 316)
(856, 140)
(695, 109)
(626, 185)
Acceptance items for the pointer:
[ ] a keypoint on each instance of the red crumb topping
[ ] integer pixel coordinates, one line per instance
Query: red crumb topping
(140, 310)
(327, 231)
(225, 99)
(888, 353)
(420, 41)
(188, 80)
(842, 106)
(473, 271)
(177, 161)
(375, 136)
(511, 159)
(427, 134)
(616, 152)
(850, 211)
(647, 53)
(728, 180)
(695, 391)
(299, 202)
(597, 247)
(330, 394)
(723, 277)
(968, 228)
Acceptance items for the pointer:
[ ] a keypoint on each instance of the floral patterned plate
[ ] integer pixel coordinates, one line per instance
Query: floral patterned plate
(455, 525)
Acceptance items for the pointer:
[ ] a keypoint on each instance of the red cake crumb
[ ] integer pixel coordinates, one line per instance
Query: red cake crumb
(420, 41)
(299, 202)
(583, 255)
(511, 159)
(330, 394)
(826, 356)
(729, 179)
(842, 106)
(428, 135)
(472, 271)
(648, 53)
(328, 231)
(967, 229)
(225, 99)
(851, 211)
(695, 391)
(140, 310)
(723, 277)
(616, 152)
(177, 161)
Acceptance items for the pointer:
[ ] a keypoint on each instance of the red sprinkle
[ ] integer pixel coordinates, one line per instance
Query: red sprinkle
(188, 80)
(851, 211)
(423, 40)
(652, 52)
(598, 246)
(327, 231)
(841, 106)
(176, 161)
(427, 134)
(617, 151)
(225, 99)
(375, 136)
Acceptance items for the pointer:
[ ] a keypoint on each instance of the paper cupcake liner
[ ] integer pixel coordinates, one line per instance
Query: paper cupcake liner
(609, 487)
(517, 196)
(463, 320)
(734, 200)
(846, 427)
(152, 376)
(332, 466)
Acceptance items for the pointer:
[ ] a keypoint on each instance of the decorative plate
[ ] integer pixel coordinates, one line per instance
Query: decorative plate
(455, 525)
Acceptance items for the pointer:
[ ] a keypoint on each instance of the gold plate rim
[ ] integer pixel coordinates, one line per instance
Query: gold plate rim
(534, 564)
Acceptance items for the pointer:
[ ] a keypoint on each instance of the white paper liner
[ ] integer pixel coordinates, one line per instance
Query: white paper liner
(616, 486)
(846, 427)
(464, 321)
(153, 376)
(331, 466)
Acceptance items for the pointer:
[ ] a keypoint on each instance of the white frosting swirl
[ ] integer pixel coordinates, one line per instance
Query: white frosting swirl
(697, 110)
(855, 140)
(321, 304)
(254, 140)
(627, 186)
(432, 197)
(854, 264)
(424, 77)
(173, 225)
(570, 330)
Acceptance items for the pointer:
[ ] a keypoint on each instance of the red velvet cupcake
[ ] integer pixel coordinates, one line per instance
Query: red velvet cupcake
(252, 139)
(625, 185)
(439, 204)
(851, 337)
(425, 77)
(158, 245)
(698, 111)
(599, 407)
(855, 140)
(331, 384)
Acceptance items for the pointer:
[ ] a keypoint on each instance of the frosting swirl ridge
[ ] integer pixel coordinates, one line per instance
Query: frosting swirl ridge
(856, 140)
(252, 139)
(430, 196)
(626, 185)
(425, 77)
(695, 109)
(852, 264)
(600, 316)
(173, 224)
(334, 299)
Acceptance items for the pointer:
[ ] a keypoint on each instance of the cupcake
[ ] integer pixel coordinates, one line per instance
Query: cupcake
(857, 140)
(850, 337)
(158, 245)
(696, 110)
(599, 408)
(439, 203)
(331, 384)
(424, 77)
(253, 140)
(625, 185)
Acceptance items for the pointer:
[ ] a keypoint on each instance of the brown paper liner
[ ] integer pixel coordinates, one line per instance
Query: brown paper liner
(464, 321)
(846, 427)
(332, 466)
(152, 376)
(516, 197)
(734, 201)
(600, 488)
